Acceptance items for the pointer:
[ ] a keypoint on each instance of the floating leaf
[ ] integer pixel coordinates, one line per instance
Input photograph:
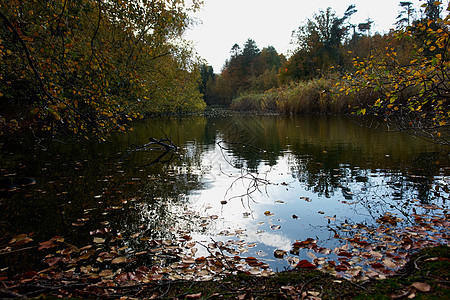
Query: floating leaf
(279, 253)
(307, 199)
(275, 227)
(388, 263)
(52, 261)
(119, 260)
(98, 240)
(78, 224)
(105, 273)
(345, 253)
(46, 245)
(156, 277)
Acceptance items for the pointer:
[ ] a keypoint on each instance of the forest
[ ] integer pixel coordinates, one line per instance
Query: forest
(342, 68)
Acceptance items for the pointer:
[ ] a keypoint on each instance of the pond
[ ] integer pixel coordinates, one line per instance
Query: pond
(266, 192)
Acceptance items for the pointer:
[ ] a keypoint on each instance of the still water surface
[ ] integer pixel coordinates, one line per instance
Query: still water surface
(258, 183)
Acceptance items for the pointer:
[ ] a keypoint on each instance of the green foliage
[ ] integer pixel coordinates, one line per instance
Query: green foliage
(318, 45)
(410, 76)
(89, 67)
(248, 70)
(207, 83)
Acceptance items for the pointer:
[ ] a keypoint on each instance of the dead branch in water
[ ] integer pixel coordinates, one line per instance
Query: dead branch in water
(165, 144)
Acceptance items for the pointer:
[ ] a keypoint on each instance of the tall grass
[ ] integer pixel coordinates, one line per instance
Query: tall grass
(316, 96)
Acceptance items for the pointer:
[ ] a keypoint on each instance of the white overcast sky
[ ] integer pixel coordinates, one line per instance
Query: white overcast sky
(270, 22)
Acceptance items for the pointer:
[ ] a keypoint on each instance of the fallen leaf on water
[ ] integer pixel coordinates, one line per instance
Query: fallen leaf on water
(421, 286)
(200, 260)
(320, 212)
(156, 277)
(19, 238)
(377, 265)
(188, 260)
(345, 253)
(46, 245)
(268, 213)
(307, 199)
(98, 240)
(78, 224)
(122, 277)
(119, 260)
(275, 227)
(105, 273)
(52, 261)
(279, 253)
(388, 263)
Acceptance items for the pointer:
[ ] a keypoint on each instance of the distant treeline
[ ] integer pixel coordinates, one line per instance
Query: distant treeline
(327, 46)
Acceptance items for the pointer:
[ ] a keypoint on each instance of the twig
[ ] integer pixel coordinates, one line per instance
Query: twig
(11, 294)
(18, 250)
(223, 255)
(306, 283)
(166, 143)
(228, 267)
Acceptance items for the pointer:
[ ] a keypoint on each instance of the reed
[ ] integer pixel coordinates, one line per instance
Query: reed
(316, 96)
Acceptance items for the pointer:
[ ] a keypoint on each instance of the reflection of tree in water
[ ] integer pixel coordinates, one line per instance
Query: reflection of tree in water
(160, 205)
(338, 159)
(378, 191)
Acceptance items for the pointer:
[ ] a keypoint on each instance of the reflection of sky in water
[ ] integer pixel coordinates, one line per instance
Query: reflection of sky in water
(286, 198)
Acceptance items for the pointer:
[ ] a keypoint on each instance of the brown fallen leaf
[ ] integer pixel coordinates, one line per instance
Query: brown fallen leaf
(307, 199)
(98, 240)
(290, 290)
(156, 277)
(193, 296)
(46, 245)
(279, 253)
(119, 260)
(105, 273)
(388, 263)
(305, 264)
(421, 286)
(52, 261)
(275, 227)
